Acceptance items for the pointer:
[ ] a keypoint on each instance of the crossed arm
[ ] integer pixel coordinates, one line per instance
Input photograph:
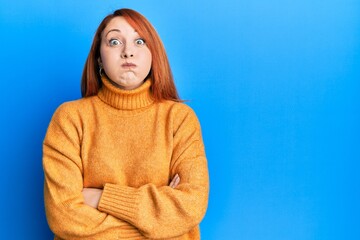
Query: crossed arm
(74, 212)
(92, 195)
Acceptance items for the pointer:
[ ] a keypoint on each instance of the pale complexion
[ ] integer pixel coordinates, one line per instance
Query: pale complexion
(124, 55)
(126, 60)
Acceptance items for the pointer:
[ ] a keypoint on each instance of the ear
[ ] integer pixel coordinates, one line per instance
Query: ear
(100, 62)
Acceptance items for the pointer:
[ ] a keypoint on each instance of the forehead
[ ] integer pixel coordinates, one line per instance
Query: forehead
(119, 24)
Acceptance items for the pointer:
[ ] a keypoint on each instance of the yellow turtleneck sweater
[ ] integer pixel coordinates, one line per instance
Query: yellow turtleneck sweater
(131, 147)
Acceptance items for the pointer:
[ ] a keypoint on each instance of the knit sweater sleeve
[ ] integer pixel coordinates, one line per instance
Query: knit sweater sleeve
(67, 215)
(164, 212)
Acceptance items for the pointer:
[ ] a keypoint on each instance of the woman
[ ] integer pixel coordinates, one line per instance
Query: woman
(127, 160)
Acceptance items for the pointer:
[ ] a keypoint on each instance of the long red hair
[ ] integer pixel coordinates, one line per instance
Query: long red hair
(162, 87)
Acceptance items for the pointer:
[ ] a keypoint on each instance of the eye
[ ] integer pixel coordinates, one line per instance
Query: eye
(140, 41)
(114, 42)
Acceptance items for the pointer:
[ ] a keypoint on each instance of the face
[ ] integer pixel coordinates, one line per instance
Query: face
(124, 55)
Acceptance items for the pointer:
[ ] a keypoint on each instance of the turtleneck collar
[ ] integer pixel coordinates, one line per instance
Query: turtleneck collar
(125, 99)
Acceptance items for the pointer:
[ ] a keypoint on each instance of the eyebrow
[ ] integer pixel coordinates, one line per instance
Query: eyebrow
(116, 30)
(112, 30)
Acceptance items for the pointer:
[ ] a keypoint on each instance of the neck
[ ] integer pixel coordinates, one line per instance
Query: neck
(126, 99)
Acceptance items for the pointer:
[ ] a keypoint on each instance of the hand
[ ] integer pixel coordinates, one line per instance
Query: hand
(175, 181)
(92, 196)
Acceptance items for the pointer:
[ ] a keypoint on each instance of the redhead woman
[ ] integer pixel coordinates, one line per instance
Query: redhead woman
(127, 160)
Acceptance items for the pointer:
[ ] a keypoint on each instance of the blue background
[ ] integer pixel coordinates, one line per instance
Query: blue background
(275, 84)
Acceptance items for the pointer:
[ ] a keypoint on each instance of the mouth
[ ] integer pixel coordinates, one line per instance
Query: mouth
(128, 65)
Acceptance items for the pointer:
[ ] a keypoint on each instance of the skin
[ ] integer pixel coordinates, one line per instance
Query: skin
(124, 55)
(126, 60)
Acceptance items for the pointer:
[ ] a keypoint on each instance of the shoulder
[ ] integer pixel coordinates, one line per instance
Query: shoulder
(73, 109)
(182, 114)
(179, 108)
(75, 105)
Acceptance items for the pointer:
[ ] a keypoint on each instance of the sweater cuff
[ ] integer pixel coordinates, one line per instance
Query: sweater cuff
(120, 201)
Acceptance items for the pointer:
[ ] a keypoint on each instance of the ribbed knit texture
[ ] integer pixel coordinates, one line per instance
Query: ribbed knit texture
(131, 147)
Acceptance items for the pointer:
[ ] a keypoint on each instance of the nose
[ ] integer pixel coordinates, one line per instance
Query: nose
(127, 52)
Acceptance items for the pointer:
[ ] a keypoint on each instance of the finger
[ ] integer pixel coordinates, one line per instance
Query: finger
(171, 184)
(173, 181)
(177, 181)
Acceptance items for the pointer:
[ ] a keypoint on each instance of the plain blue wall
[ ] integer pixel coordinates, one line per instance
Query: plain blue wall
(275, 84)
